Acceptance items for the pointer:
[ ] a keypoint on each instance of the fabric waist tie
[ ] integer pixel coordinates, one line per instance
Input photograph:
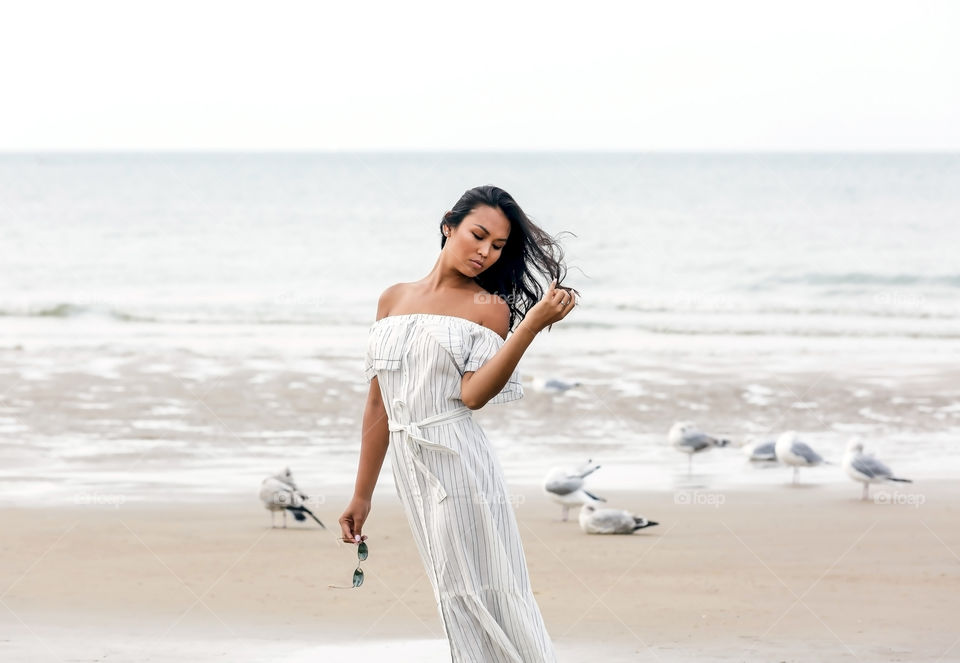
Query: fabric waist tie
(417, 443)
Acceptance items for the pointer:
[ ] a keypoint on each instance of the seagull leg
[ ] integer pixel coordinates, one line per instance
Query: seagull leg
(284, 519)
(866, 490)
(566, 513)
(273, 519)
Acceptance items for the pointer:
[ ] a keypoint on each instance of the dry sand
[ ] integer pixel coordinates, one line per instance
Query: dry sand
(783, 573)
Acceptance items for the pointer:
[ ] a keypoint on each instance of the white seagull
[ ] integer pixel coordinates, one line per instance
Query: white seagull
(610, 521)
(552, 385)
(760, 451)
(280, 493)
(566, 487)
(865, 468)
(795, 453)
(685, 437)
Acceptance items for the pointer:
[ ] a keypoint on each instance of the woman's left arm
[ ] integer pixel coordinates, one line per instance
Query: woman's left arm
(478, 387)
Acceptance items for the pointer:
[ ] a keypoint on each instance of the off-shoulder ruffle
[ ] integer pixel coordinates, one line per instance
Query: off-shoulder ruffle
(468, 344)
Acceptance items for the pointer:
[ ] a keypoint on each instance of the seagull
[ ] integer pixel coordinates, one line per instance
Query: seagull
(760, 451)
(795, 453)
(610, 521)
(566, 487)
(552, 385)
(865, 468)
(685, 437)
(280, 493)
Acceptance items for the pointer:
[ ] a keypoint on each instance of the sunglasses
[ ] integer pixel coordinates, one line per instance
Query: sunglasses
(362, 552)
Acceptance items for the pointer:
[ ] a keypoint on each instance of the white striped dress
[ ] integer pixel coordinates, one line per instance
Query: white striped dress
(452, 488)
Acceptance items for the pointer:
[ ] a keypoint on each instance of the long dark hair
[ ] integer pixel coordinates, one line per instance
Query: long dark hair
(528, 253)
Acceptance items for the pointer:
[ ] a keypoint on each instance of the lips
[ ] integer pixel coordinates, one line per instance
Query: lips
(478, 264)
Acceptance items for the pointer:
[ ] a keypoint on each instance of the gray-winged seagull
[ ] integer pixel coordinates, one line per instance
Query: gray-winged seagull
(280, 493)
(757, 450)
(566, 487)
(796, 453)
(865, 468)
(552, 385)
(610, 521)
(685, 437)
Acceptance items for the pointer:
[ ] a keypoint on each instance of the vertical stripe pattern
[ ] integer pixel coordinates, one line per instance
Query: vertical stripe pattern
(452, 488)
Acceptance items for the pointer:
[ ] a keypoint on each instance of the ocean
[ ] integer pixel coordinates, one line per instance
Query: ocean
(185, 324)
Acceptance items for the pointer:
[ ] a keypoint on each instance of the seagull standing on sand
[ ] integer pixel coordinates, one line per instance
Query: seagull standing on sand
(566, 487)
(685, 437)
(760, 451)
(792, 451)
(552, 385)
(610, 521)
(280, 493)
(865, 468)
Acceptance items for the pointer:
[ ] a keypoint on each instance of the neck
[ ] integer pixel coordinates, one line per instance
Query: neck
(443, 277)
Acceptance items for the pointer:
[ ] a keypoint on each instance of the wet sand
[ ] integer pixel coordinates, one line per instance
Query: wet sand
(77, 422)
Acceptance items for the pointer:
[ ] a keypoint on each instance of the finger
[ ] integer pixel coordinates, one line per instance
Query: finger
(357, 527)
(346, 527)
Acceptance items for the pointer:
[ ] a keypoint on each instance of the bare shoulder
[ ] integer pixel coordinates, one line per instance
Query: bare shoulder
(388, 298)
(494, 312)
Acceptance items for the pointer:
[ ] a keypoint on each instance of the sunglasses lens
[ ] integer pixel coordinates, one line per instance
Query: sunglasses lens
(358, 577)
(362, 550)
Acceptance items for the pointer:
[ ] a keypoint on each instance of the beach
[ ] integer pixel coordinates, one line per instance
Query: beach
(786, 573)
(164, 350)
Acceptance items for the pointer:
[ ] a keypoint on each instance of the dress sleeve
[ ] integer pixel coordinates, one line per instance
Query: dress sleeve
(384, 352)
(481, 347)
(368, 370)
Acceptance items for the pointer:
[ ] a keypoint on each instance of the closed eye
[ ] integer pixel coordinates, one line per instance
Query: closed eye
(498, 248)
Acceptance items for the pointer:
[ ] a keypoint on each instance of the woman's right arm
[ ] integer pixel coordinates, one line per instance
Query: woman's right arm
(374, 438)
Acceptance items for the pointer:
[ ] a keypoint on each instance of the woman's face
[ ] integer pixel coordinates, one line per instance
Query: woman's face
(478, 241)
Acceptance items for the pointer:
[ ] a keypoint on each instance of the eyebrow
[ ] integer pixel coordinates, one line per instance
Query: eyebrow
(503, 239)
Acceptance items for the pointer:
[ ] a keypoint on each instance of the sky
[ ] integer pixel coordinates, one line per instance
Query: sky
(633, 76)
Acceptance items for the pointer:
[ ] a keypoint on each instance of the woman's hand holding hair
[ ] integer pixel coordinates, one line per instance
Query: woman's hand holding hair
(555, 305)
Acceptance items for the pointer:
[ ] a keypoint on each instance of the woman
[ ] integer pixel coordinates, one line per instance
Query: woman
(436, 352)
